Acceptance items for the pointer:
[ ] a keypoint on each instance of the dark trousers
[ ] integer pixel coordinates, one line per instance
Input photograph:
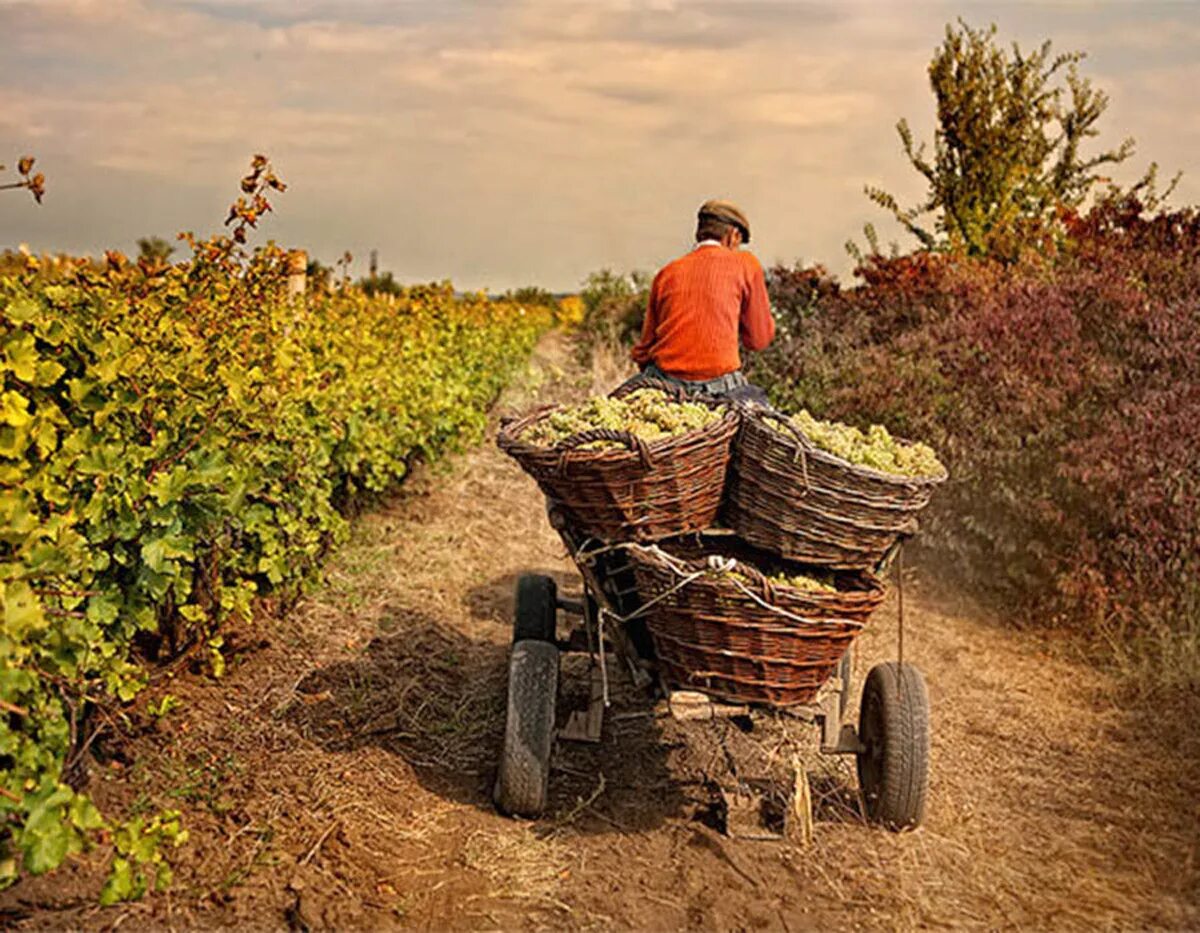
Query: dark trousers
(733, 387)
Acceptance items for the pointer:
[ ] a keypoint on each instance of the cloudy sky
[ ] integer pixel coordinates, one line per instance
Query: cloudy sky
(505, 142)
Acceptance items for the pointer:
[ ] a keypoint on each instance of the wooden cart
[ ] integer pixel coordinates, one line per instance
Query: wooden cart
(890, 741)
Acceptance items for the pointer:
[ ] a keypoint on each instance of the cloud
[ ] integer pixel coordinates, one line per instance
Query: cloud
(501, 143)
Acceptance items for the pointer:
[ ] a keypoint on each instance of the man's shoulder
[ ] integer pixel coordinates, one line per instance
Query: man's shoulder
(749, 260)
(676, 265)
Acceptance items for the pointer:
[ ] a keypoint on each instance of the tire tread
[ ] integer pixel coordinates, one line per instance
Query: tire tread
(524, 772)
(901, 797)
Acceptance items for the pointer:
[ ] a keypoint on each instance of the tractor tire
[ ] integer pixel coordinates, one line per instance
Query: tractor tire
(893, 727)
(524, 772)
(537, 608)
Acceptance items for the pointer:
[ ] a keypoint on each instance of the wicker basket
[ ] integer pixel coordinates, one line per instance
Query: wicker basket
(746, 640)
(645, 492)
(805, 504)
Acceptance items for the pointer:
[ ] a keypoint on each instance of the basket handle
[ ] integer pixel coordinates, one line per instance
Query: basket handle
(759, 579)
(532, 415)
(631, 441)
(803, 444)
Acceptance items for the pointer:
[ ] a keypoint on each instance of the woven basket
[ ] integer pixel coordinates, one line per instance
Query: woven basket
(648, 491)
(804, 504)
(728, 638)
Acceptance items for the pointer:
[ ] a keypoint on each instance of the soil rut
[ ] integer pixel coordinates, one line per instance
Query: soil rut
(339, 775)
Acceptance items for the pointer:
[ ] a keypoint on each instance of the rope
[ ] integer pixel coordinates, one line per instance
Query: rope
(715, 564)
(603, 666)
(900, 602)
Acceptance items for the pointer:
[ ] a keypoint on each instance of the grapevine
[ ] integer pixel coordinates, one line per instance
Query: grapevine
(176, 439)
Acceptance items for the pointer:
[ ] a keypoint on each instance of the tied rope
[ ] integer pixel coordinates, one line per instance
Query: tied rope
(713, 564)
(900, 604)
(802, 446)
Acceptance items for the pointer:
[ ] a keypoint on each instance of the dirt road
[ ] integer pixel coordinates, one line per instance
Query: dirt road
(339, 775)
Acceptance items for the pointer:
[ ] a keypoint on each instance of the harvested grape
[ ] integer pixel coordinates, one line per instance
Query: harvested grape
(818, 583)
(646, 413)
(874, 448)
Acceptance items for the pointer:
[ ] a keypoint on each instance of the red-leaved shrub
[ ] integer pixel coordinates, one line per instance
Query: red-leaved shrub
(1063, 393)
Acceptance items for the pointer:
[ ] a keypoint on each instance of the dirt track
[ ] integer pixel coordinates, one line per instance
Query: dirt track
(339, 775)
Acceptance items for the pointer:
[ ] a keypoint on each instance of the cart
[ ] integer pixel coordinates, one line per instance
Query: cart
(890, 742)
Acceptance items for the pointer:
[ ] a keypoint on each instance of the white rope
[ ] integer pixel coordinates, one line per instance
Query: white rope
(714, 564)
(783, 612)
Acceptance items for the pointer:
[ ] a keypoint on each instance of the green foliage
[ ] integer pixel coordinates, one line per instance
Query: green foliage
(167, 704)
(175, 440)
(613, 306)
(139, 845)
(380, 283)
(154, 248)
(531, 295)
(1008, 146)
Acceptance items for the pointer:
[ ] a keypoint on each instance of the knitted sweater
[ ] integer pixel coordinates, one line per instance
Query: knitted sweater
(700, 306)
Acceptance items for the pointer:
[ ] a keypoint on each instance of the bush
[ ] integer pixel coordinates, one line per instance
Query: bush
(1062, 394)
(613, 307)
(175, 440)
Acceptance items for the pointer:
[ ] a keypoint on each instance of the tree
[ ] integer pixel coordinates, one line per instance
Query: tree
(380, 284)
(154, 248)
(1008, 146)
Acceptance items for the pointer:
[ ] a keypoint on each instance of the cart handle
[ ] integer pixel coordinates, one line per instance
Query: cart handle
(631, 441)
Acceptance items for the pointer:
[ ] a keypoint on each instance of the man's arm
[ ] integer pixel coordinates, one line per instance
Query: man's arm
(641, 350)
(757, 326)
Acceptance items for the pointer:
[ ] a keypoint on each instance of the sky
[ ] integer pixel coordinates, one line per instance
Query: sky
(514, 142)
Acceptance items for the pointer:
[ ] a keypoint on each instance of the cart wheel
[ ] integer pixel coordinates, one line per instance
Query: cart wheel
(529, 728)
(893, 726)
(537, 606)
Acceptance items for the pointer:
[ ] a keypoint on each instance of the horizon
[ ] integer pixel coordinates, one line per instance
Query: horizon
(506, 144)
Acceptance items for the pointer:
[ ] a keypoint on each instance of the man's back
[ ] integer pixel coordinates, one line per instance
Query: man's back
(701, 304)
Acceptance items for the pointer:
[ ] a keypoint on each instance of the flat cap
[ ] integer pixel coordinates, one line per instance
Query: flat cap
(728, 212)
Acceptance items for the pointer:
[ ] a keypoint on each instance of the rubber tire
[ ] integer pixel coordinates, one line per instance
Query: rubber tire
(893, 727)
(536, 614)
(524, 772)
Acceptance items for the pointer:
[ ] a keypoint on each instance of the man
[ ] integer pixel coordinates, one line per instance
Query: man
(702, 306)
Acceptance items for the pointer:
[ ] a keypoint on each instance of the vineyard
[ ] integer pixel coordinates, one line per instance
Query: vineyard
(336, 604)
(177, 444)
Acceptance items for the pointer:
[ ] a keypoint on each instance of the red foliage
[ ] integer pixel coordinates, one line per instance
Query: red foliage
(1064, 394)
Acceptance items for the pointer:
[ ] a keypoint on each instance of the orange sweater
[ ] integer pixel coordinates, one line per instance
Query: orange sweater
(700, 305)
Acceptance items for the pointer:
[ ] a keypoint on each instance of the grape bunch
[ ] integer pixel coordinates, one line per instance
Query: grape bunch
(646, 413)
(874, 448)
(816, 582)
